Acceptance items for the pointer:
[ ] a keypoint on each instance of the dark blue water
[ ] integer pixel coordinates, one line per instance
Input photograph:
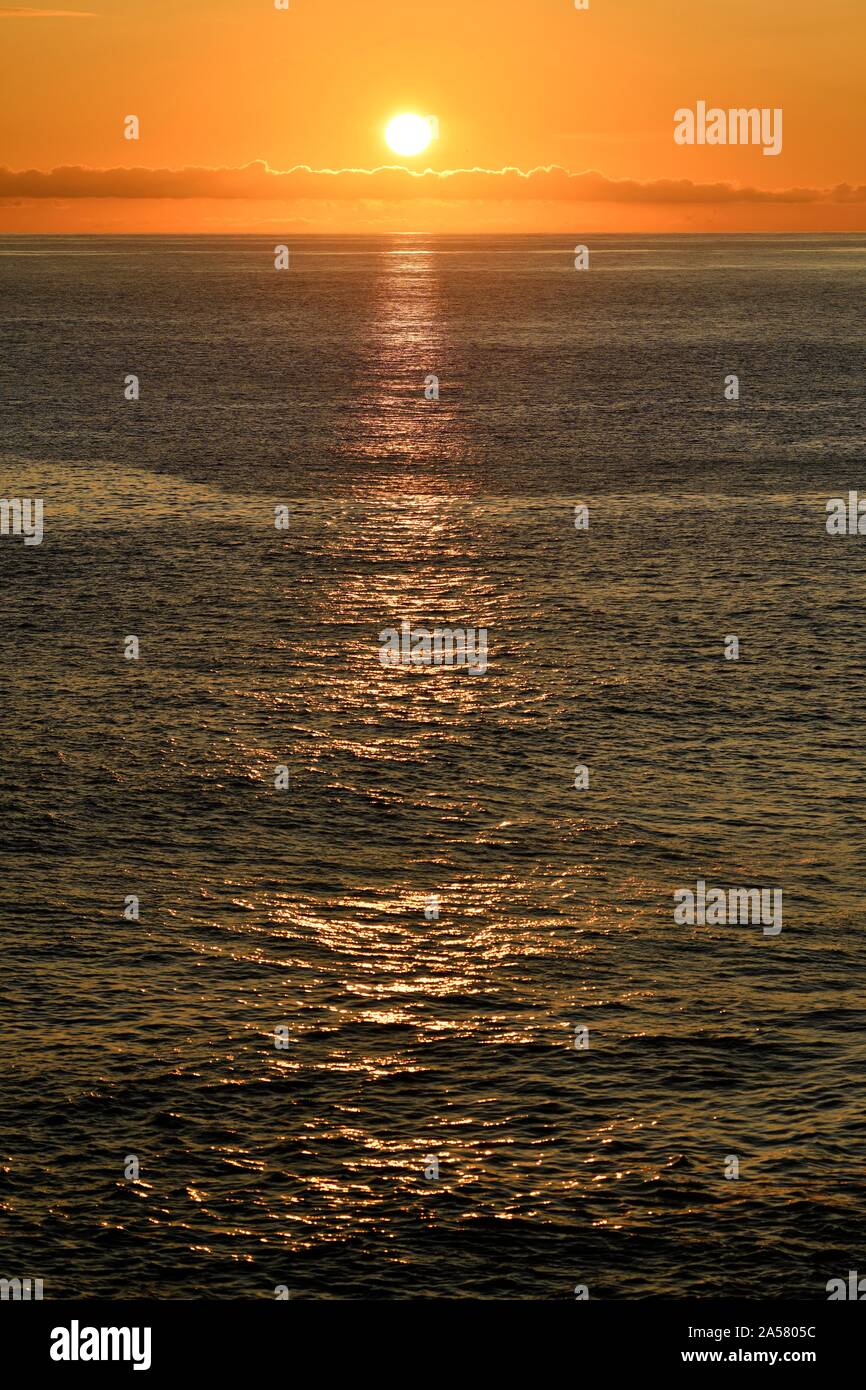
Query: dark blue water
(304, 908)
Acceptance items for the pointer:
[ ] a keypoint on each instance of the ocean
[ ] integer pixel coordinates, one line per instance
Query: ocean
(342, 1040)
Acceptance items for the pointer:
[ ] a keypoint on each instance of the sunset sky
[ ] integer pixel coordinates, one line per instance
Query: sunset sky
(222, 85)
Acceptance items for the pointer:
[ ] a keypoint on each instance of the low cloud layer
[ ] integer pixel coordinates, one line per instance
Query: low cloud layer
(394, 184)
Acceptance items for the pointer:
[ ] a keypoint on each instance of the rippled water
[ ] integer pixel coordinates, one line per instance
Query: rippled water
(305, 908)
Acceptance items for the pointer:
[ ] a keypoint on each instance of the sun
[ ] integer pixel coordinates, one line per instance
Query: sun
(408, 134)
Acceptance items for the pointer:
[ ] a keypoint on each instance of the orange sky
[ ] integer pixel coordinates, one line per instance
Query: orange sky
(220, 85)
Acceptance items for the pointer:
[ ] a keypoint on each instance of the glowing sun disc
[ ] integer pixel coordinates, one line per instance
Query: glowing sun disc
(408, 134)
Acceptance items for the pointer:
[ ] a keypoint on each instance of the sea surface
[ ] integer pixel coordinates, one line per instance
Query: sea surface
(410, 1036)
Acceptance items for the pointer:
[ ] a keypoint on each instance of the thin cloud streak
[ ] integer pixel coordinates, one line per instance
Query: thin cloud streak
(19, 12)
